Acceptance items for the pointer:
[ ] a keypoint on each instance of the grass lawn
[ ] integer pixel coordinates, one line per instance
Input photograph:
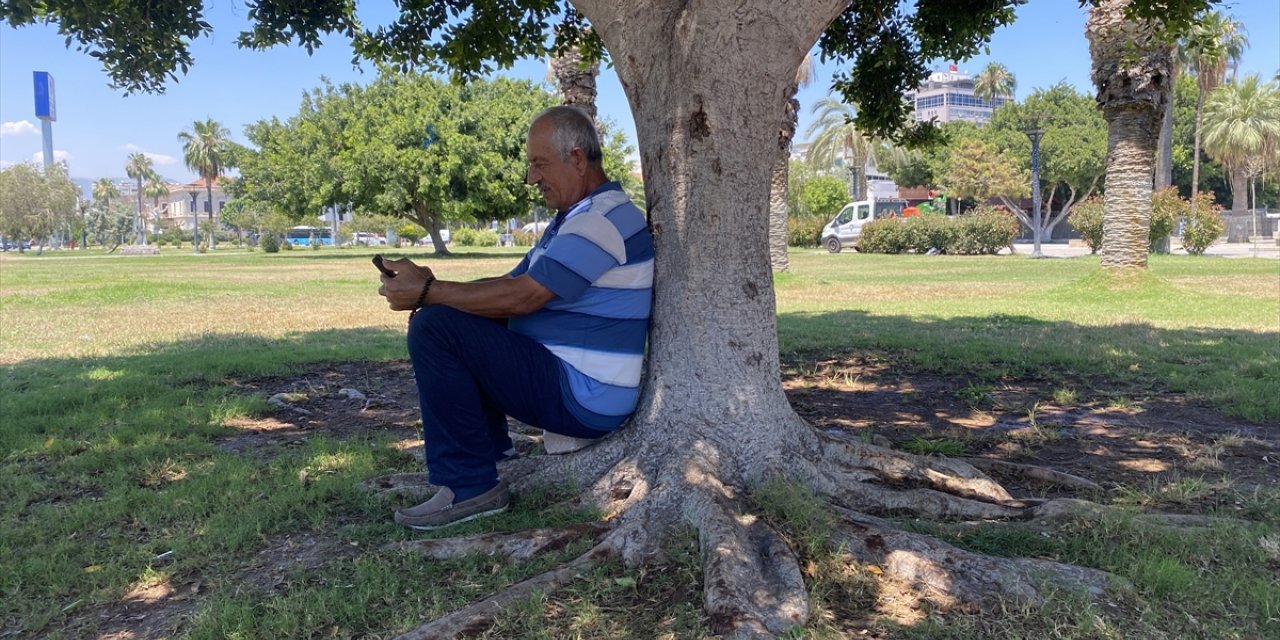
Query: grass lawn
(147, 486)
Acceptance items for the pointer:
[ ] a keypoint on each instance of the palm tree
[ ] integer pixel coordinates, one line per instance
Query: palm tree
(995, 81)
(838, 138)
(1132, 66)
(155, 188)
(104, 190)
(204, 150)
(138, 167)
(778, 182)
(1214, 45)
(577, 81)
(1242, 130)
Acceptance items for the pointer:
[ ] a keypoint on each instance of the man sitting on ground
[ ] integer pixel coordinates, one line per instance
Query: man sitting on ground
(557, 343)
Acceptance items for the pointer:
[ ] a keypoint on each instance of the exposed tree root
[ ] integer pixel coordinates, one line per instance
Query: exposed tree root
(897, 467)
(518, 546)
(1033, 472)
(752, 580)
(872, 498)
(1062, 510)
(479, 616)
(411, 484)
(947, 576)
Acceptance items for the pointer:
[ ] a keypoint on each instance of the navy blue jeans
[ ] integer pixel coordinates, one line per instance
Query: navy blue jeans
(472, 372)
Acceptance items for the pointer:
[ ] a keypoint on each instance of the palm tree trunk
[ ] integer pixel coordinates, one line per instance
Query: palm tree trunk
(213, 231)
(1164, 157)
(1239, 189)
(577, 82)
(1126, 221)
(1195, 149)
(778, 184)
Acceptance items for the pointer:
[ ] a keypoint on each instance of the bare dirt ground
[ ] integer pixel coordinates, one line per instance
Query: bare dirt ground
(1147, 443)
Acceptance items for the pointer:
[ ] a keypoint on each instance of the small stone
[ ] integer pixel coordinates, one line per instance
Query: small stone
(353, 394)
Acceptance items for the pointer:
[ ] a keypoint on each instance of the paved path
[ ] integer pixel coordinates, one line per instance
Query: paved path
(1264, 249)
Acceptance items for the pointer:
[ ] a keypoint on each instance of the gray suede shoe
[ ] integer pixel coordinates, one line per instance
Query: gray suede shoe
(440, 511)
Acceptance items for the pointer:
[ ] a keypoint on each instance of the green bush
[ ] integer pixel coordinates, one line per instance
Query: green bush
(1086, 217)
(1166, 208)
(1204, 224)
(269, 243)
(932, 232)
(524, 239)
(805, 231)
(287, 246)
(465, 237)
(883, 236)
(985, 230)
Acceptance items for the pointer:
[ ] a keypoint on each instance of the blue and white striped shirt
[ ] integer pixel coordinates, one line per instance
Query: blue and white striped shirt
(597, 258)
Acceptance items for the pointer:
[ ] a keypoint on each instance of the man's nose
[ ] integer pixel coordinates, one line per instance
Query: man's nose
(528, 177)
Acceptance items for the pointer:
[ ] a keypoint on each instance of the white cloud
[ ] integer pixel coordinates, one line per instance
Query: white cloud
(18, 128)
(59, 155)
(160, 160)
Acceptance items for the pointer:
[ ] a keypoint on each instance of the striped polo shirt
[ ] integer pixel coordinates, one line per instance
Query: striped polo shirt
(597, 257)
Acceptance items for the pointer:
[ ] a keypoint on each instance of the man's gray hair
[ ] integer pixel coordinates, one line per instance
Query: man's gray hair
(572, 127)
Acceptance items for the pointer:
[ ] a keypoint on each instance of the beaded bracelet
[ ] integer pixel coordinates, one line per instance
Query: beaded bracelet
(422, 297)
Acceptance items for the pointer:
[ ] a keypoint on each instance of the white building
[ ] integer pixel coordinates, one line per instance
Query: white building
(175, 210)
(948, 95)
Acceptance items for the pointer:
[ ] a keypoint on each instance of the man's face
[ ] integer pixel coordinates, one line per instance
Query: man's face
(562, 182)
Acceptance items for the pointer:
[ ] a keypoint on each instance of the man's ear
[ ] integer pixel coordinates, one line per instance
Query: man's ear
(579, 159)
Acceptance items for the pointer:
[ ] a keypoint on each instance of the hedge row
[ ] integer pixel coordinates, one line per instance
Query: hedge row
(985, 230)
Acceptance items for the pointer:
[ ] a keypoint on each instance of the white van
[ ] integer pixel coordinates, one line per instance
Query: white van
(844, 229)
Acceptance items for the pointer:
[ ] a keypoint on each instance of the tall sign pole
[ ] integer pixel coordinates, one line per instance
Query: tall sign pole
(46, 111)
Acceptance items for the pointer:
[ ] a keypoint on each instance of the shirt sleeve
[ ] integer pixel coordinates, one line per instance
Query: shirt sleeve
(587, 247)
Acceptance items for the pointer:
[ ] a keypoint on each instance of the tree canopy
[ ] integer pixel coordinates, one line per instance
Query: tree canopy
(407, 145)
(35, 202)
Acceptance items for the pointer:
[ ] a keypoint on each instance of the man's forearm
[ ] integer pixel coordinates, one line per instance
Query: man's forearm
(502, 297)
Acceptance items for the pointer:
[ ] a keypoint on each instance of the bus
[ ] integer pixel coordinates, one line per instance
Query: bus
(304, 236)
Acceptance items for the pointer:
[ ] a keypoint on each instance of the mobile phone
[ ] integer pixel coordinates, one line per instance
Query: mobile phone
(377, 262)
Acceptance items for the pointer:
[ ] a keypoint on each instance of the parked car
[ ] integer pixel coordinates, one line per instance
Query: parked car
(844, 229)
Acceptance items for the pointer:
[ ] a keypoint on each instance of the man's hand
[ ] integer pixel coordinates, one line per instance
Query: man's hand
(403, 290)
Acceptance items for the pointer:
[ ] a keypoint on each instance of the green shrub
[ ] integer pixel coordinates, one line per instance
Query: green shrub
(985, 230)
(524, 239)
(805, 231)
(1204, 224)
(883, 236)
(287, 246)
(1166, 208)
(465, 237)
(1086, 217)
(931, 232)
(269, 243)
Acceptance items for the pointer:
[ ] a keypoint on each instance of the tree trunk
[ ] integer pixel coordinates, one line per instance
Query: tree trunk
(1126, 217)
(577, 82)
(1164, 149)
(1195, 147)
(1132, 70)
(431, 223)
(778, 185)
(1239, 189)
(213, 229)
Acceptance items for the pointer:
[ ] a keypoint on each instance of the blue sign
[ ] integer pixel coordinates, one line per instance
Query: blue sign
(46, 109)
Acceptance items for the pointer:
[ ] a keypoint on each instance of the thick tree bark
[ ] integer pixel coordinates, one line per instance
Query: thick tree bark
(577, 81)
(1126, 217)
(1239, 189)
(1164, 148)
(1132, 70)
(778, 213)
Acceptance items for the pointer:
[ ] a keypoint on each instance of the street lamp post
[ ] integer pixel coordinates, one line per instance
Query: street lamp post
(1035, 134)
(195, 222)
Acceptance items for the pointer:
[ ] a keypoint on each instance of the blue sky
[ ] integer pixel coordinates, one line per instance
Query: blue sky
(98, 127)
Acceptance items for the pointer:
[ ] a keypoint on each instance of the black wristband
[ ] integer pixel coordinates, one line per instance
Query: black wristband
(422, 297)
